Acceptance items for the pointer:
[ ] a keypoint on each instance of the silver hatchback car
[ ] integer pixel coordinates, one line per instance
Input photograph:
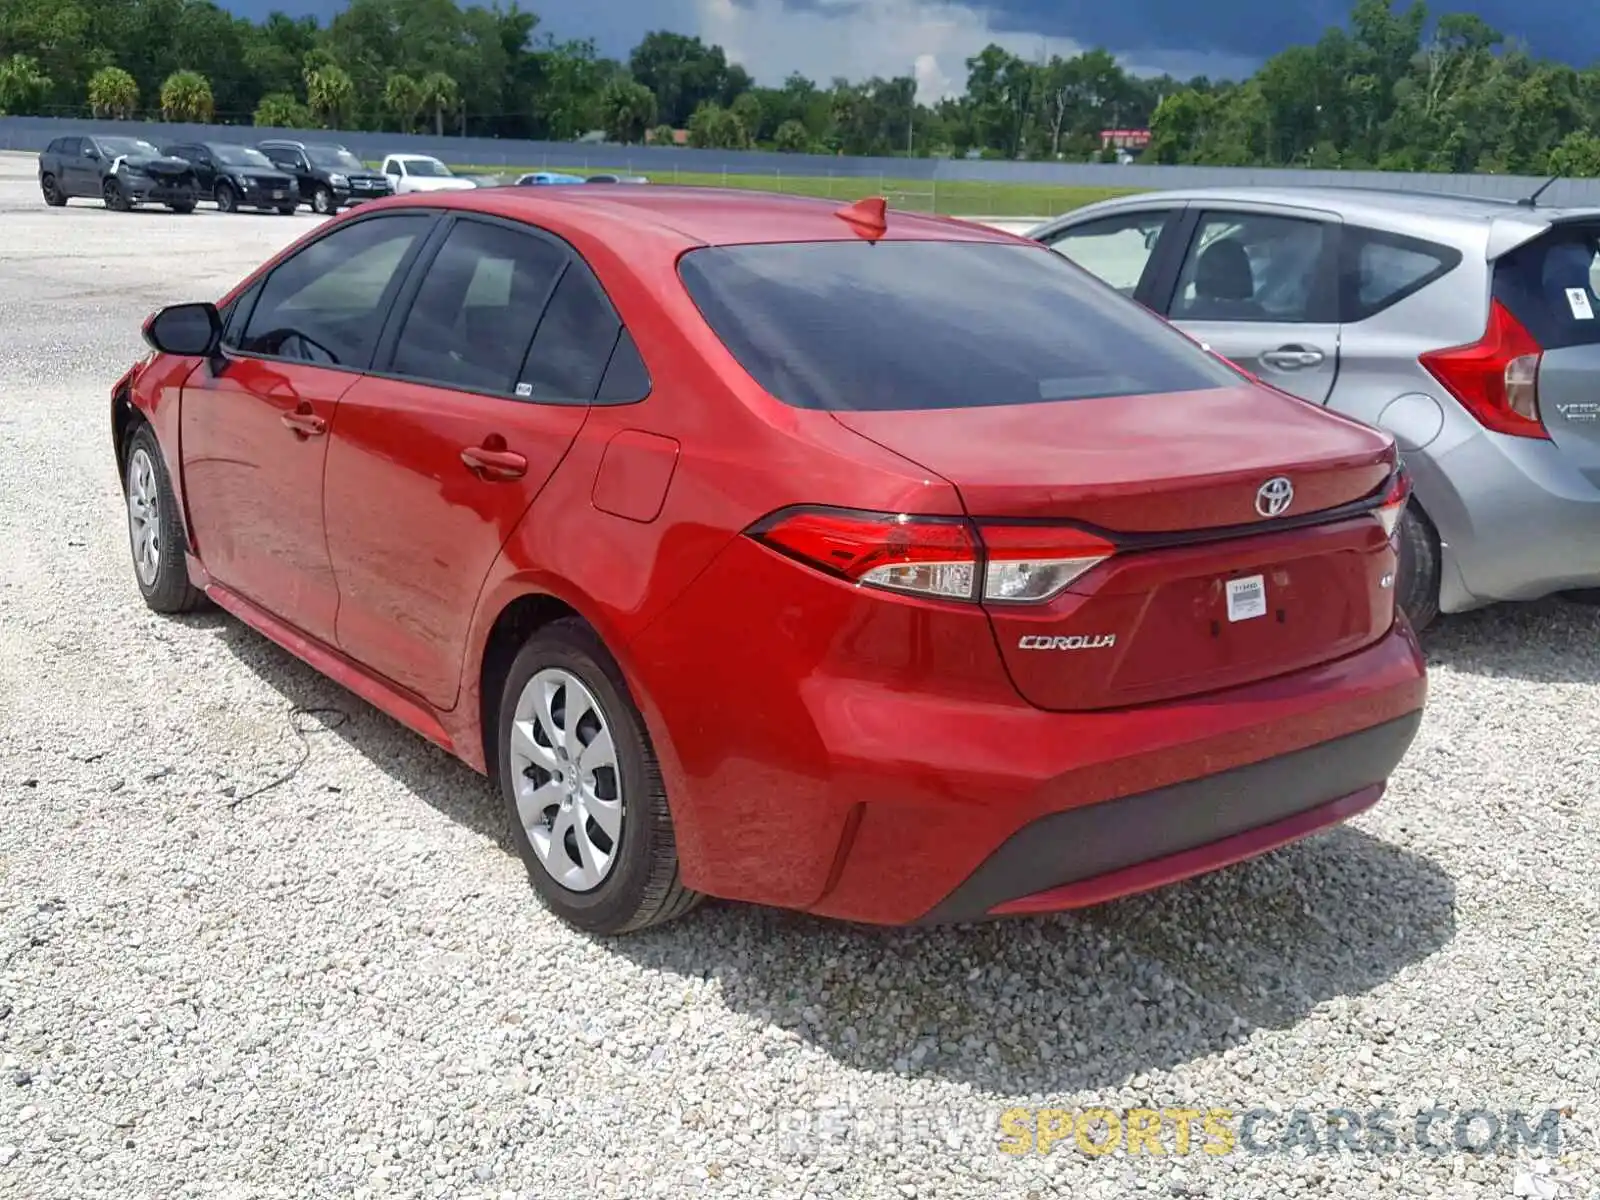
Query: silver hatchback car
(1467, 328)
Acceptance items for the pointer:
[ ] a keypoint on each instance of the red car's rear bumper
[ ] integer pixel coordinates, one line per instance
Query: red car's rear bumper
(870, 760)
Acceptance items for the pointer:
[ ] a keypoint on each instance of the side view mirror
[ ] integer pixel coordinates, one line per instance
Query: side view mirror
(191, 330)
(90, 152)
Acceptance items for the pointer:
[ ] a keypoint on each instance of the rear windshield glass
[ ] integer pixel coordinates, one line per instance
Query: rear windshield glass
(862, 326)
(1550, 286)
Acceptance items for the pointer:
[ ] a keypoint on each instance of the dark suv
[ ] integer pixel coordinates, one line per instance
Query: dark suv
(119, 171)
(238, 176)
(328, 175)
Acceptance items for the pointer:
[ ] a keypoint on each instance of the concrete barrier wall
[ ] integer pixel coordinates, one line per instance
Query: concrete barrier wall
(33, 133)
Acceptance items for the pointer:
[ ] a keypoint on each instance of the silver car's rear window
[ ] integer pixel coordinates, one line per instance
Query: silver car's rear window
(1551, 285)
(863, 326)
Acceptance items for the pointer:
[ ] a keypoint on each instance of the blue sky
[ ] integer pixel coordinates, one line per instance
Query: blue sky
(857, 38)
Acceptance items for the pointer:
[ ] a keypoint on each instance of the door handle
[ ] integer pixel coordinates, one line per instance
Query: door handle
(1292, 358)
(494, 464)
(304, 422)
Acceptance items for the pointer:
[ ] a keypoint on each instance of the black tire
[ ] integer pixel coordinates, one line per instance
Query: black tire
(286, 210)
(53, 195)
(323, 203)
(1417, 585)
(111, 192)
(227, 198)
(182, 207)
(642, 887)
(166, 589)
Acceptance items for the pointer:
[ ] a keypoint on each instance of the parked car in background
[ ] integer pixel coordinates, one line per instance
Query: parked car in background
(329, 176)
(238, 176)
(1465, 327)
(541, 178)
(120, 172)
(872, 564)
(617, 179)
(409, 173)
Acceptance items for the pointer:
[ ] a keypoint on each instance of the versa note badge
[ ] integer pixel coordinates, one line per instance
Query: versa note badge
(1274, 496)
(1098, 641)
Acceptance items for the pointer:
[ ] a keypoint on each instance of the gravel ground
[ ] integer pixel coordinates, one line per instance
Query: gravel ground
(342, 985)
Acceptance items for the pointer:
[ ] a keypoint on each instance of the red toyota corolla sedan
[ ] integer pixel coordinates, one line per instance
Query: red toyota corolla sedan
(875, 565)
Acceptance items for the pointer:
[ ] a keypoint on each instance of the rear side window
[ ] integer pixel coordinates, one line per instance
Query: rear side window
(575, 339)
(475, 313)
(860, 326)
(1379, 269)
(1552, 286)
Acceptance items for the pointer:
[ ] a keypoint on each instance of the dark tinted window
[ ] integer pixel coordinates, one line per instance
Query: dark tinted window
(236, 314)
(1380, 269)
(905, 325)
(575, 339)
(1550, 286)
(626, 378)
(475, 313)
(56, 145)
(327, 303)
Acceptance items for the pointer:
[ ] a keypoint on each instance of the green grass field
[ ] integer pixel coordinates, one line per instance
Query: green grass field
(949, 199)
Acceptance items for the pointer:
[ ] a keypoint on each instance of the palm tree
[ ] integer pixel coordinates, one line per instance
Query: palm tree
(440, 93)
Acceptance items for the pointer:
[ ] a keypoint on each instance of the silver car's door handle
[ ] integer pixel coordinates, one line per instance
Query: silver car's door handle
(1292, 358)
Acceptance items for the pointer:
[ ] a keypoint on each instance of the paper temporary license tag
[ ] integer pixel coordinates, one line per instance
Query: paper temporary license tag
(1247, 598)
(1578, 299)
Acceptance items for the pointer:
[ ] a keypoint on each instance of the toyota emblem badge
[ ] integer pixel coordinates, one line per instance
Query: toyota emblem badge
(1274, 496)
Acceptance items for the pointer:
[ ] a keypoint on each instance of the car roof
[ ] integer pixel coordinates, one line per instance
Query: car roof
(416, 157)
(697, 215)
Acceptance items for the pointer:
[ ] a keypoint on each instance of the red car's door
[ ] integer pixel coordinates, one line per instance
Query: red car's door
(482, 381)
(255, 432)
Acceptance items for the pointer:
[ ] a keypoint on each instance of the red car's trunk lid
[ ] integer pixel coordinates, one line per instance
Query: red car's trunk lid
(1205, 587)
(1140, 464)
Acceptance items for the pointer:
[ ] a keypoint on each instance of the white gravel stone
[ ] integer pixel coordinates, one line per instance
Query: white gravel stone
(344, 987)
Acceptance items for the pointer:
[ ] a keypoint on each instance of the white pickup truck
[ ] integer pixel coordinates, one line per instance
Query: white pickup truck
(420, 173)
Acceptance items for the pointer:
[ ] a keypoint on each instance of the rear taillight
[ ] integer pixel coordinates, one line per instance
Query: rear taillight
(1497, 377)
(945, 558)
(1393, 505)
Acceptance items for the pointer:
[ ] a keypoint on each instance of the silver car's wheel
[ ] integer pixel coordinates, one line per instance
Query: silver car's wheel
(144, 516)
(567, 779)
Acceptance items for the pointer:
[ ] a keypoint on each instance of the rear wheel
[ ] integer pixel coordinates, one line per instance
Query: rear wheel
(1417, 585)
(582, 789)
(181, 206)
(154, 533)
(227, 198)
(53, 195)
(115, 199)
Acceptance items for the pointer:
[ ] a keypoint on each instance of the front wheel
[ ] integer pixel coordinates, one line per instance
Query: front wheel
(115, 199)
(582, 789)
(322, 202)
(154, 533)
(227, 198)
(1417, 585)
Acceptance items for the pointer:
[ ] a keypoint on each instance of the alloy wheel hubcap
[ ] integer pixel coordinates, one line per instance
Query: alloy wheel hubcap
(567, 778)
(144, 516)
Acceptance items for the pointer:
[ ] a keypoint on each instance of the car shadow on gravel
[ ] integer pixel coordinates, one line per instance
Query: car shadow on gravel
(1085, 1001)
(439, 780)
(1077, 1002)
(1549, 641)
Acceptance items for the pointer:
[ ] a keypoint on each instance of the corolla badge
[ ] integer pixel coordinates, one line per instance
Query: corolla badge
(1094, 641)
(1274, 496)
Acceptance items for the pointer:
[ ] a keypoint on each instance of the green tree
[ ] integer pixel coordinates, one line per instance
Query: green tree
(792, 137)
(663, 135)
(186, 97)
(442, 95)
(113, 94)
(402, 96)
(23, 85)
(280, 110)
(684, 73)
(1576, 156)
(629, 109)
(330, 95)
(713, 127)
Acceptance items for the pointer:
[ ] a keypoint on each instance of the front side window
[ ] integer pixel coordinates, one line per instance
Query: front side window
(1252, 267)
(853, 326)
(326, 304)
(1117, 249)
(475, 313)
